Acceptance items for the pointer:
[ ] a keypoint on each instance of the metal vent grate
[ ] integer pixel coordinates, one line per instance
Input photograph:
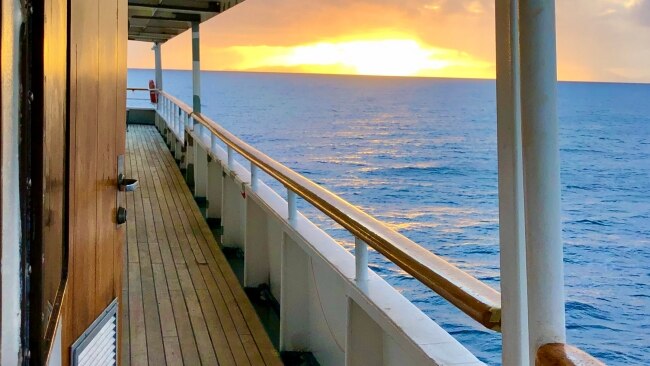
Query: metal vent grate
(98, 344)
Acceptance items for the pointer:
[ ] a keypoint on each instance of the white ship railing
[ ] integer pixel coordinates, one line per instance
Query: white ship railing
(286, 251)
(356, 306)
(309, 272)
(470, 295)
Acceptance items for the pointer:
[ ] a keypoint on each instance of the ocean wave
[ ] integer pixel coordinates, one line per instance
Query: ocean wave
(593, 222)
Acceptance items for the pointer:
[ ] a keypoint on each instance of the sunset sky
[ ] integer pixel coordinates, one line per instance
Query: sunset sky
(598, 40)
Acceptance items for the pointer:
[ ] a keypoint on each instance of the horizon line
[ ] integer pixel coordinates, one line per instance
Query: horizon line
(386, 76)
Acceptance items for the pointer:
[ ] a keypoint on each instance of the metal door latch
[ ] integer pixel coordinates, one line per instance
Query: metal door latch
(126, 184)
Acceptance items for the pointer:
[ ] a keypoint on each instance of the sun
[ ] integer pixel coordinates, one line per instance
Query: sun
(389, 56)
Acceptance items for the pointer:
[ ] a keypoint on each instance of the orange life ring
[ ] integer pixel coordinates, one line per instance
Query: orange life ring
(152, 92)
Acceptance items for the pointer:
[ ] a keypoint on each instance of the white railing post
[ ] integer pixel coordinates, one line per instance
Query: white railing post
(213, 143)
(168, 113)
(541, 165)
(291, 207)
(179, 117)
(254, 177)
(231, 159)
(361, 261)
(176, 118)
(514, 325)
(161, 104)
(167, 106)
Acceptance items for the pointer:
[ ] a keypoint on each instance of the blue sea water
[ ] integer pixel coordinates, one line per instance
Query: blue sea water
(420, 155)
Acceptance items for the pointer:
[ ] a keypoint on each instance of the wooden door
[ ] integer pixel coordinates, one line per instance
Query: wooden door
(97, 110)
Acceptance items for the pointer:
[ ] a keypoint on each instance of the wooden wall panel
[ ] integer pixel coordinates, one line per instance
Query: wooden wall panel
(106, 154)
(84, 22)
(97, 134)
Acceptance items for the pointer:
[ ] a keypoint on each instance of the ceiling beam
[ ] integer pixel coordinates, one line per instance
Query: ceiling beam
(153, 35)
(175, 18)
(145, 39)
(212, 7)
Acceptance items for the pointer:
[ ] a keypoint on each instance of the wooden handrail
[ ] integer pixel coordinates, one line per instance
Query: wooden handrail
(467, 293)
(560, 354)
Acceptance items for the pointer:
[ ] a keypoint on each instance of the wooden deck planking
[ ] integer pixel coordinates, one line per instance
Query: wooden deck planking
(183, 303)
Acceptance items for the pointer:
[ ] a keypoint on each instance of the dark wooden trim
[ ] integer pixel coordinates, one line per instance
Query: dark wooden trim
(30, 177)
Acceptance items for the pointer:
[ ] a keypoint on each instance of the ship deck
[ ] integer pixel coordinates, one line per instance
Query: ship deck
(182, 302)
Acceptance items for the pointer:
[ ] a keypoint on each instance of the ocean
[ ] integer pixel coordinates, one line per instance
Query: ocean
(420, 154)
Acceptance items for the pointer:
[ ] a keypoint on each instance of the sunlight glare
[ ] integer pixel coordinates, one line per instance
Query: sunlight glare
(386, 57)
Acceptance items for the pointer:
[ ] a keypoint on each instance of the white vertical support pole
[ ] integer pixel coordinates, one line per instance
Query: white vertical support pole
(255, 180)
(158, 76)
(158, 61)
(541, 162)
(514, 323)
(292, 210)
(196, 69)
(361, 262)
(196, 104)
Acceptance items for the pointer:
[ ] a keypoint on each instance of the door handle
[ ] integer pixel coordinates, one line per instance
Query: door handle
(126, 184)
(121, 215)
